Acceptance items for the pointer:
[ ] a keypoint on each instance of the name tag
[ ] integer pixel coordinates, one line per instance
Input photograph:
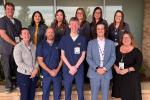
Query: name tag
(77, 50)
(121, 65)
(17, 39)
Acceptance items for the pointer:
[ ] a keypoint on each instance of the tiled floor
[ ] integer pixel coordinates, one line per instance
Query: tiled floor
(15, 94)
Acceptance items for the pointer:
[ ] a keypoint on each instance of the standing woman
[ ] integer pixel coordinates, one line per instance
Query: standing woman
(24, 55)
(97, 18)
(84, 29)
(84, 26)
(37, 27)
(128, 63)
(118, 27)
(59, 25)
(100, 57)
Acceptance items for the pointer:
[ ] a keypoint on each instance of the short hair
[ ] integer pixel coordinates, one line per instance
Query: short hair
(24, 28)
(73, 19)
(9, 4)
(105, 28)
(49, 28)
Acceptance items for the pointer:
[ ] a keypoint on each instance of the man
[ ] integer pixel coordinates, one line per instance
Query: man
(100, 57)
(10, 29)
(48, 56)
(73, 48)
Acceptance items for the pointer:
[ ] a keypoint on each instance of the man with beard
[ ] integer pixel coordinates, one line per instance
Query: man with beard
(48, 56)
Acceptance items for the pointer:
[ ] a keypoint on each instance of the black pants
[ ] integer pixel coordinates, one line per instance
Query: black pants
(9, 68)
(27, 86)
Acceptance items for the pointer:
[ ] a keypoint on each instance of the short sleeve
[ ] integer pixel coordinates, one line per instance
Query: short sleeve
(2, 24)
(62, 44)
(84, 45)
(39, 50)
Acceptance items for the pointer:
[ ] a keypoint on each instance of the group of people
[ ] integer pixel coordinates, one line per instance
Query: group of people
(64, 50)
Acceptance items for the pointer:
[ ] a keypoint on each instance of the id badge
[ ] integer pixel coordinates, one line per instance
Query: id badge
(77, 50)
(17, 39)
(121, 65)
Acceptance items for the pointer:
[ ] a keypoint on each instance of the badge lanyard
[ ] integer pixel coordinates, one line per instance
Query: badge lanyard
(102, 53)
(123, 55)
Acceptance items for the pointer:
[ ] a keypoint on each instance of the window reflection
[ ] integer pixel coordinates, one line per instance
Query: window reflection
(24, 10)
(70, 7)
(24, 13)
(2, 10)
(110, 11)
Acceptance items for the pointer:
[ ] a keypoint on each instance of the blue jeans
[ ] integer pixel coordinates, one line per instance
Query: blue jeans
(27, 86)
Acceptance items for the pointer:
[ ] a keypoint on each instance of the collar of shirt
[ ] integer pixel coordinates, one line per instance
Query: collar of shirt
(29, 46)
(101, 42)
(49, 43)
(74, 38)
(12, 20)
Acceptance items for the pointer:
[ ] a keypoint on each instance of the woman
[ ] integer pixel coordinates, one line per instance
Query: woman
(100, 57)
(126, 84)
(118, 27)
(97, 18)
(24, 55)
(37, 28)
(59, 25)
(84, 28)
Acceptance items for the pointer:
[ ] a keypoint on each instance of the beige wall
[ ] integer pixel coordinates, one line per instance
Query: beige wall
(146, 37)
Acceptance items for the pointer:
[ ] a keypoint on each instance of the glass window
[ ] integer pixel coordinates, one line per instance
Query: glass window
(70, 7)
(111, 7)
(134, 13)
(24, 10)
(1, 8)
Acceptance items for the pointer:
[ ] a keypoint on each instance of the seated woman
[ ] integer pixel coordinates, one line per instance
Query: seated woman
(24, 55)
(126, 84)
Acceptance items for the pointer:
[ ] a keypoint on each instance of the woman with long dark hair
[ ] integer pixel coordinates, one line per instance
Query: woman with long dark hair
(97, 18)
(118, 27)
(37, 28)
(84, 28)
(59, 24)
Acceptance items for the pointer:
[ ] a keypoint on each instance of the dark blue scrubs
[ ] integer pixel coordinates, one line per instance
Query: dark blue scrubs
(6, 49)
(51, 57)
(73, 51)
